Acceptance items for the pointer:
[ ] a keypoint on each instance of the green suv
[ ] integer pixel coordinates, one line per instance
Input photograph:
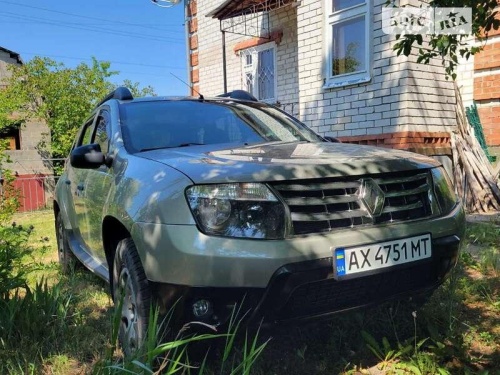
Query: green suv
(203, 203)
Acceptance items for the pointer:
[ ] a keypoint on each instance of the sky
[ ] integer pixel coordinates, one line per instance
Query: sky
(144, 42)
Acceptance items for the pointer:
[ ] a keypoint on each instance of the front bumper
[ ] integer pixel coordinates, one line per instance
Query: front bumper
(288, 280)
(307, 290)
(182, 255)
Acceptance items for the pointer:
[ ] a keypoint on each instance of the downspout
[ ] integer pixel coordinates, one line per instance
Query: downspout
(224, 71)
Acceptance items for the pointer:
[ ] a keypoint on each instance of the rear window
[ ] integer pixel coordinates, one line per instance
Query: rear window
(168, 124)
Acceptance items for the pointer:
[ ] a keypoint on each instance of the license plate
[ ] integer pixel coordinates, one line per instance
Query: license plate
(372, 257)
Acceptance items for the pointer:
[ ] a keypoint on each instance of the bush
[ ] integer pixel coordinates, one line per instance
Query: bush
(9, 202)
(13, 250)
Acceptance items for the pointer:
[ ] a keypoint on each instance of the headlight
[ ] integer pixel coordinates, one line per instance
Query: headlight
(443, 190)
(248, 210)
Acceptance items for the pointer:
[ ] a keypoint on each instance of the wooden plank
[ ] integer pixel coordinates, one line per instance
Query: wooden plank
(457, 170)
(490, 188)
(475, 187)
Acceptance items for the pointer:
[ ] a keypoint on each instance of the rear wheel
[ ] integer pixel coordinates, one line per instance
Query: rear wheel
(131, 292)
(67, 259)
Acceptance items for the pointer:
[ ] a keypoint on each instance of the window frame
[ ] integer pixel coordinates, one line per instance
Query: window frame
(104, 113)
(89, 126)
(332, 18)
(253, 68)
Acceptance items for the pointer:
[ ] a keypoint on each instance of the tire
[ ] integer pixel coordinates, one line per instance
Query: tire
(67, 259)
(131, 291)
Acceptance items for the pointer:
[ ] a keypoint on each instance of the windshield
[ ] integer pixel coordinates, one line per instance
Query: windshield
(152, 125)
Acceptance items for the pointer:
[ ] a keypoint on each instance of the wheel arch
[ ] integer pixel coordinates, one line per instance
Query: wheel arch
(55, 207)
(113, 231)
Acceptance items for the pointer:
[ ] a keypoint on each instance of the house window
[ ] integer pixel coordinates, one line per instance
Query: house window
(11, 138)
(259, 71)
(347, 49)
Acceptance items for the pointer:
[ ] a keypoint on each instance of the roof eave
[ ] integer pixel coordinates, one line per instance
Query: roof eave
(13, 55)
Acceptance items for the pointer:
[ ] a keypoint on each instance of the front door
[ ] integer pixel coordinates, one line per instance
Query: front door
(77, 178)
(97, 188)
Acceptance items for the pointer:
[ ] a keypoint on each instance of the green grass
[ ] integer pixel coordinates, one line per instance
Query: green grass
(456, 332)
(63, 327)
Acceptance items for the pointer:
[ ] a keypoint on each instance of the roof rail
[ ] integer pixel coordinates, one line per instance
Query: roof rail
(120, 93)
(239, 94)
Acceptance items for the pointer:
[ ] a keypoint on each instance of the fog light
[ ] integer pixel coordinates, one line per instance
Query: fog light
(201, 308)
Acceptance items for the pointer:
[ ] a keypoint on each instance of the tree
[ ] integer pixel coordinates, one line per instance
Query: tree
(62, 97)
(138, 91)
(450, 47)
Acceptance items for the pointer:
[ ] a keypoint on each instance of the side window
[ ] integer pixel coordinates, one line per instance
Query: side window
(103, 130)
(88, 130)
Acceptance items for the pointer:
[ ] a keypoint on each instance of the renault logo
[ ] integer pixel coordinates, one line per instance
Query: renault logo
(372, 197)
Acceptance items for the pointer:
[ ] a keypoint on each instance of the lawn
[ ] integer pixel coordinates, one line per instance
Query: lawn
(69, 330)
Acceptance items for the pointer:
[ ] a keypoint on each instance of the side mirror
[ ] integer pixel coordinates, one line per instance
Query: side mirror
(87, 157)
(332, 139)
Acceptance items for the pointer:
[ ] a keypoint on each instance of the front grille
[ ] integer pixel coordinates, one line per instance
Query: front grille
(322, 205)
(330, 295)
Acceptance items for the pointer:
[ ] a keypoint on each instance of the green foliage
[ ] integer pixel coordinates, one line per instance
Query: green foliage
(483, 234)
(9, 202)
(138, 91)
(406, 358)
(449, 47)
(63, 97)
(13, 253)
(173, 356)
(488, 236)
(385, 352)
(460, 322)
(36, 320)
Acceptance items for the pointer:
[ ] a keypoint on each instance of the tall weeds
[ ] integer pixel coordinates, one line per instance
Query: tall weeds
(172, 357)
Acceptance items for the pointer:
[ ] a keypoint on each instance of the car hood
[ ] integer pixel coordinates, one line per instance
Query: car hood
(285, 161)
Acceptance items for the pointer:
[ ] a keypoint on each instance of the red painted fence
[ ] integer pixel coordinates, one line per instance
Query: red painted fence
(36, 191)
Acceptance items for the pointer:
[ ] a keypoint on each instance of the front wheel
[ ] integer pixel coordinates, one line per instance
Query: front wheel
(131, 291)
(67, 259)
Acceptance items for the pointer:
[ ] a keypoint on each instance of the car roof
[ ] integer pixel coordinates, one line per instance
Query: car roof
(185, 98)
(123, 95)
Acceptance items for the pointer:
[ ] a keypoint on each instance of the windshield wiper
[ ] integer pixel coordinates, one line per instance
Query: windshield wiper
(165, 147)
(189, 144)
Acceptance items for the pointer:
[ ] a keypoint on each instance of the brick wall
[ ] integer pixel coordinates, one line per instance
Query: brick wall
(192, 21)
(490, 120)
(427, 143)
(209, 53)
(401, 96)
(465, 77)
(487, 88)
